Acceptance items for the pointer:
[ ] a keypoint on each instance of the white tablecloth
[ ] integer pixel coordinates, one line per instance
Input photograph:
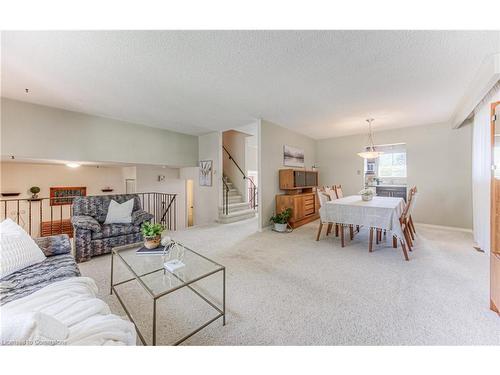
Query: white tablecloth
(380, 212)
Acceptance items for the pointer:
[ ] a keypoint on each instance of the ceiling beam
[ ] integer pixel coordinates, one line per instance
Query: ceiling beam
(487, 76)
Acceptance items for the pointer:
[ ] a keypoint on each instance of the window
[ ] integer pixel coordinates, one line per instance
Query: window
(392, 163)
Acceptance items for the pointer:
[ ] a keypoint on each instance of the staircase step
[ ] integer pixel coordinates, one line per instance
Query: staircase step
(235, 199)
(233, 207)
(236, 216)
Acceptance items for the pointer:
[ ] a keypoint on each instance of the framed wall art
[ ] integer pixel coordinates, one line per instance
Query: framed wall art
(206, 172)
(60, 196)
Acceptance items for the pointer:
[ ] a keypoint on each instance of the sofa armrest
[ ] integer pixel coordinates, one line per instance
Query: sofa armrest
(54, 245)
(86, 222)
(140, 216)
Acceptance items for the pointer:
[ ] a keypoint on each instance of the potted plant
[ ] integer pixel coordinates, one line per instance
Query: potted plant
(34, 190)
(152, 234)
(366, 194)
(280, 220)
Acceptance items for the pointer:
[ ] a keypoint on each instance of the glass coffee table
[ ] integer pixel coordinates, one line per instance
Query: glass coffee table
(150, 273)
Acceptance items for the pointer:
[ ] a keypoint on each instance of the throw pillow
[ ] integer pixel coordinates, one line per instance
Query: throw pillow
(120, 213)
(17, 250)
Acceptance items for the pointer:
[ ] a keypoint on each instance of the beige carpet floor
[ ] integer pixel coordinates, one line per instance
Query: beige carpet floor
(287, 289)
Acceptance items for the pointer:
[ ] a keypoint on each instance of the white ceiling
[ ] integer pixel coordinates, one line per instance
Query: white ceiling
(320, 83)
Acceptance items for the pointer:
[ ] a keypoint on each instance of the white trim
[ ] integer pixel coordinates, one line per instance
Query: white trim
(457, 229)
(261, 223)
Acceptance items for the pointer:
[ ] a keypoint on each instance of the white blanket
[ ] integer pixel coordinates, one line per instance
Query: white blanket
(74, 303)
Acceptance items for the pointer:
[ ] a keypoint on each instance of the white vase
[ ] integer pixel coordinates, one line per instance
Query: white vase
(279, 227)
(367, 197)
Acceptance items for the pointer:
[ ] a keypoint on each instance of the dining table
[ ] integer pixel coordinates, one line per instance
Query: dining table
(379, 212)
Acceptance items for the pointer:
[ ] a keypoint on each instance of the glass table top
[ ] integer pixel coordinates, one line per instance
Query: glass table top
(150, 270)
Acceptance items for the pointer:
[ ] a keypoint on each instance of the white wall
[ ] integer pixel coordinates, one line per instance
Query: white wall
(209, 197)
(40, 132)
(438, 162)
(251, 154)
(272, 138)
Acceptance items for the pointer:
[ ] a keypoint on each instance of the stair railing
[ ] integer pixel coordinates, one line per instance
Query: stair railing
(252, 188)
(225, 208)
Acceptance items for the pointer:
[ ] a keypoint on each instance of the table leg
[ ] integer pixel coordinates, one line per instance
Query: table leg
(111, 282)
(154, 322)
(342, 235)
(224, 296)
(319, 231)
(405, 253)
(370, 243)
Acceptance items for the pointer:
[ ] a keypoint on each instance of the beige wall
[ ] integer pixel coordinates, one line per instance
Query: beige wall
(40, 132)
(438, 162)
(234, 142)
(147, 181)
(272, 138)
(209, 197)
(19, 177)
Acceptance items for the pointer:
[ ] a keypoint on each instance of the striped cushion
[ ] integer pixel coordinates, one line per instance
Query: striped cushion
(35, 277)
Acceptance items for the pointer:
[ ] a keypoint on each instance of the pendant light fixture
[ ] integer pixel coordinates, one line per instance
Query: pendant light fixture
(370, 152)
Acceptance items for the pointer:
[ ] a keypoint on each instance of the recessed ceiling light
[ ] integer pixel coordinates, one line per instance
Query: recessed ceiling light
(72, 165)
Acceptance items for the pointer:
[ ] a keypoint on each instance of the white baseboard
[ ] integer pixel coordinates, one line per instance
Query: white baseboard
(458, 229)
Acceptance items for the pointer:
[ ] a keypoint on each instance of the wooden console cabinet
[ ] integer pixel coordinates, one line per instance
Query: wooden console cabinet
(300, 187)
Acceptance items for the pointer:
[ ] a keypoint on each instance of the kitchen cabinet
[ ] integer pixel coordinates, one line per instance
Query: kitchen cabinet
(391, 191)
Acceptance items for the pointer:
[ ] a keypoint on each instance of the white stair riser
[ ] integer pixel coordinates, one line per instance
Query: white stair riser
(232, 219)
(236, 209)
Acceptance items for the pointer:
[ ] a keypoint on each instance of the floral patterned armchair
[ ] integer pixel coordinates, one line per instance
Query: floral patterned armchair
(92, 236)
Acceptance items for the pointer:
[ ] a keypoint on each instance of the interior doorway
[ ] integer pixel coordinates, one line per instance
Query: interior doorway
(130, 186)
(190, 202)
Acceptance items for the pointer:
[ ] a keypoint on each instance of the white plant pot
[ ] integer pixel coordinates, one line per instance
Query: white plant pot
(279, 227)
(367, 197)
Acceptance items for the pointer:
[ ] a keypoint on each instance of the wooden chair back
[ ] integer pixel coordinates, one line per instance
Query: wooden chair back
(406, 209)
(323, 197)
(338, 191)
(412, 199)
(331, 192)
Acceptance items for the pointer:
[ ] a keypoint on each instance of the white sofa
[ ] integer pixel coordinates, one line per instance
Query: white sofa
(49, 303)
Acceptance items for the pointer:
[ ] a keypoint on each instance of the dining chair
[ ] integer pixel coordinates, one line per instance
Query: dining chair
(405, 227)
(406, 242)
(412, 197)
(340, 194)
(338, 191)
(331, 192)
(323, 197)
